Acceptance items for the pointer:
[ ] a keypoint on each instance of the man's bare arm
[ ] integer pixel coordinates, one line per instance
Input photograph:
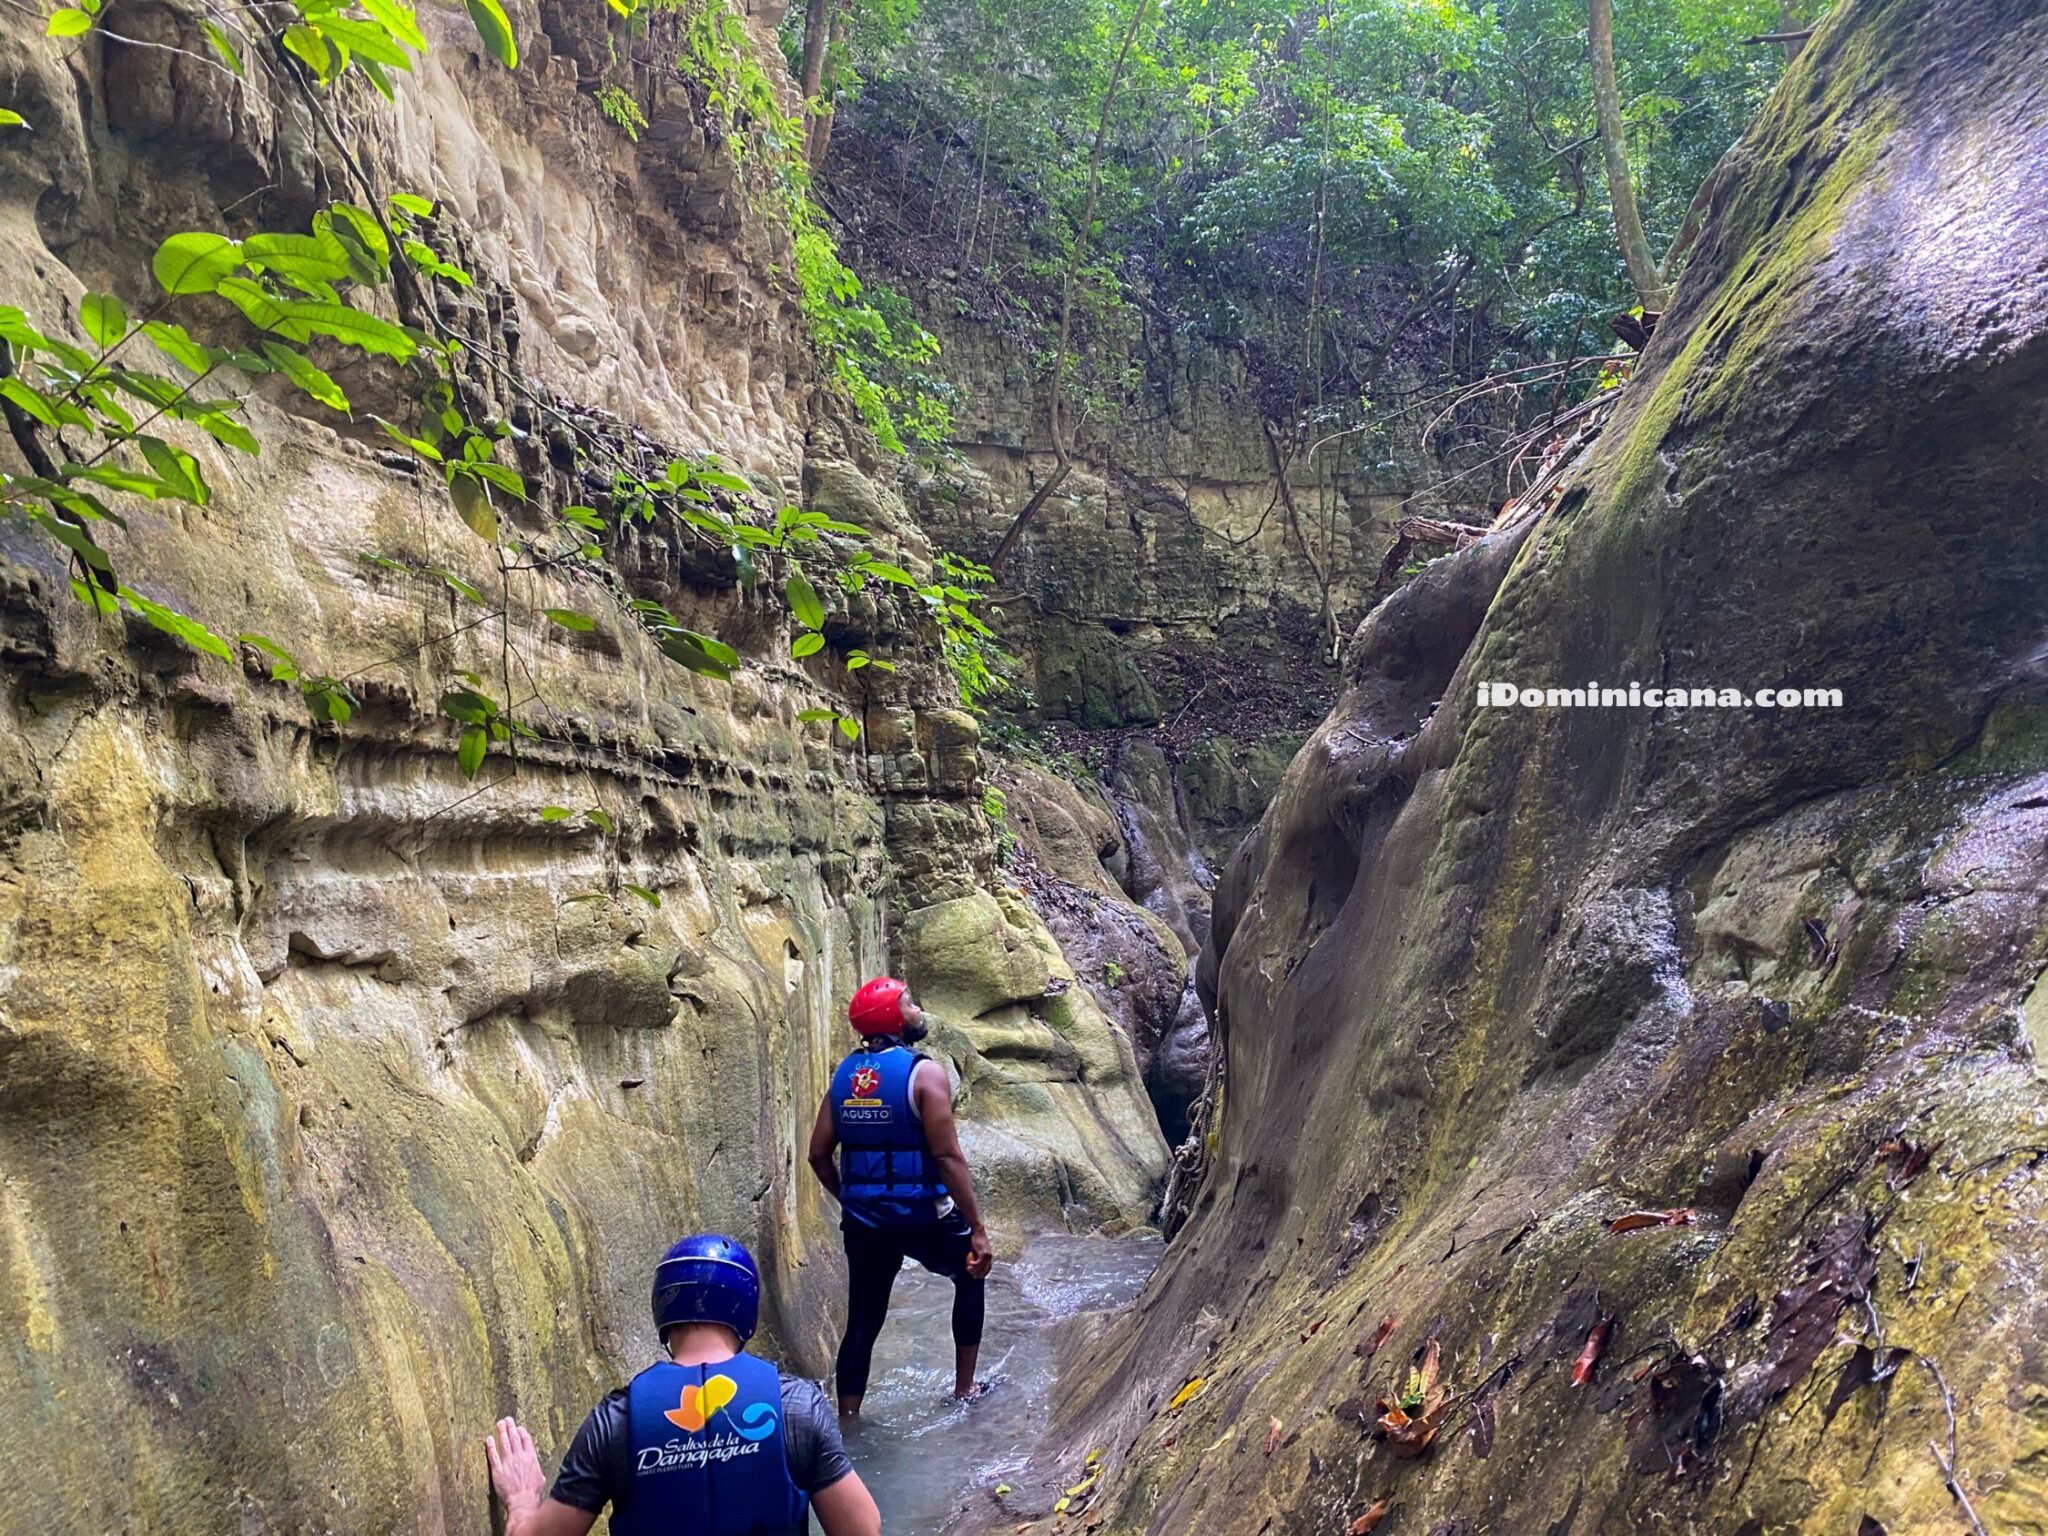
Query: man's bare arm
(824, 1141)
(518, 1480)
(934, 1098)
(847, 1508)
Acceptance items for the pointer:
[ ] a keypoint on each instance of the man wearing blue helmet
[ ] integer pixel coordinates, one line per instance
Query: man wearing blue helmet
(707, 1442)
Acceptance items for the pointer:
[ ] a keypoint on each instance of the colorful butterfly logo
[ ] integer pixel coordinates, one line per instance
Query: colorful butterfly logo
(697, 1405)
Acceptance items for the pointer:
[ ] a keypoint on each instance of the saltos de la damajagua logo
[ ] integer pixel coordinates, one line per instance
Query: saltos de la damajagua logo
(866, 1080)
(696, 1412)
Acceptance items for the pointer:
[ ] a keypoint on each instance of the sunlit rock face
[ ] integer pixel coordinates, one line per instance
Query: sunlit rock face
(345, 1103)
(1489, 980)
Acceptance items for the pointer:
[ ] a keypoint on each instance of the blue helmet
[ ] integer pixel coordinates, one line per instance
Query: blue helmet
(707, 1279)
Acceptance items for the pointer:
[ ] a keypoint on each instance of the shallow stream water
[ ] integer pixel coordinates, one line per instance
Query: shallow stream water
(924, 1456)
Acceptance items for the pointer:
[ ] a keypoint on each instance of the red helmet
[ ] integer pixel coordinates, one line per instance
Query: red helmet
(877, 1008)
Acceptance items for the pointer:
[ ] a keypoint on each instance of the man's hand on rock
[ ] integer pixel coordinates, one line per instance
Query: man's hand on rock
(515, 1468)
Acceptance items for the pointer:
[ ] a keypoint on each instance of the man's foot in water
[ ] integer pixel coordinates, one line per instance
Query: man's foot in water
(977, 1390)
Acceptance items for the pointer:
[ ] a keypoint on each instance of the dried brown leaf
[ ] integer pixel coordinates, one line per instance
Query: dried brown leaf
(1364, 1524)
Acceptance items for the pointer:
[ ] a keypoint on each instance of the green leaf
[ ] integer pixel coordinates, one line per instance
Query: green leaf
(473, 506)
(495, 28)
(217, 36)
(584, 517)
(468, 706)
(30, 400)
(553, 813)
(887, 572)
(175, 624)
(73, 538)
(115, 478)
(724, 482)
(69, 23)
(510, 481)
(104, 317)
(294, 366)
(457, 585)
(469, 752)
(601, 821)
(224, 429)
(412, 203)
(367, 41)
(806, 645)
(12, 119)
(642, 892)
(177, 468)
(689, 650)
(285, 668)
(176, 343)
(420, 446)
(329, 701)
(356, 329)
(803, 602)
(305, 43)
(569, 618)
(316, 258)
(849, 728)
(813, 716)
(264, 310)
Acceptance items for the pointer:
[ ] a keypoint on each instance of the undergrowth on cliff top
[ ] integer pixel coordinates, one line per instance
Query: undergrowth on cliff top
(115, 416)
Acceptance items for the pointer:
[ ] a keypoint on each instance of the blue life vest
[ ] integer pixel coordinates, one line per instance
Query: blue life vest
(708, 1457)
(887, 1177)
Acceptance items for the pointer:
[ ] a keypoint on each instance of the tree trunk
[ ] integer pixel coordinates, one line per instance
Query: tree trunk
(824, 23)
(1628, 223)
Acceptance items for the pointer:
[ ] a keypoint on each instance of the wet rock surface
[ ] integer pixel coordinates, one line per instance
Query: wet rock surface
(1654, 1091)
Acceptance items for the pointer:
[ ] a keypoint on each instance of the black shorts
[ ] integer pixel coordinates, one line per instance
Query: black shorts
(940, 1246)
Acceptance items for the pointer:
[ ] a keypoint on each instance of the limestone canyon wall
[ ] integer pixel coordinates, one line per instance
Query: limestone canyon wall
(344, 1103)
(1489, 980)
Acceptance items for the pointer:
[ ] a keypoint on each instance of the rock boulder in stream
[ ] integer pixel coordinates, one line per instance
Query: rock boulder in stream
(1491, 980)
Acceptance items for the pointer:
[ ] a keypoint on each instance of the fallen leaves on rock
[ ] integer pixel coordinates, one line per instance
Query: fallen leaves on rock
(1635, 1221)
(1272, 1436)
(1364, 1524)
(1180, 1398)
(1839, 1267)
(1410, 1423)
(1905, 1159)
(1589, 1355)
(1379, 1334)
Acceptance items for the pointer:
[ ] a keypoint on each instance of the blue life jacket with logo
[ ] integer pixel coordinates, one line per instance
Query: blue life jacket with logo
(708, 1457)
(887, 1177)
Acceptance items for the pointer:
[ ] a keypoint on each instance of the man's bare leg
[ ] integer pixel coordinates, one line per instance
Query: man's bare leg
(849, 1407)
(964, 1357)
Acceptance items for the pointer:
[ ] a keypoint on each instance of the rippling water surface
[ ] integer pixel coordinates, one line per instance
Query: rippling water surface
(924, 1455)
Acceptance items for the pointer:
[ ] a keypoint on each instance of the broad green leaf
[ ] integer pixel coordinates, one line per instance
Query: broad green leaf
(473, 506)
(584, 517)
(176, 343)
(104, 317)
(73, 538)
(642, 892)
(803, 602)
(457, 585)
(176, 625)
(420, 446)
(361, 226)
(553, 813)
(224, 429)
(379, 79)
(265, 311)
(177, 468)
(495, 28)
(301, 372)
(354, 328)
(367, 40)
(69, 23)
(888, 572)
(329, 701)
(94, 594)
(412, 203)
(30, 400)
(724, 482)
(12, 119)
(569, 618)
(318, 258)
(468, 706)
(508, 480)
(218, 37)
(806, 645)
(284, 665)
(688, 649)
(469, 753)
(115, 478)
(601, 821)
(305, 43)
(849, 728)
(813, 716)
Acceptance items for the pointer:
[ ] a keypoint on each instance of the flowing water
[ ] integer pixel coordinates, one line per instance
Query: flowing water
(925, 1456)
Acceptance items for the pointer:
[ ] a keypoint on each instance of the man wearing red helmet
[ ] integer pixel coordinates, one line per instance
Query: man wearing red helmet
(901, 1181)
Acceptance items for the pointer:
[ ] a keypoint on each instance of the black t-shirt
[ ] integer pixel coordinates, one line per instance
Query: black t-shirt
(600, 1459)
